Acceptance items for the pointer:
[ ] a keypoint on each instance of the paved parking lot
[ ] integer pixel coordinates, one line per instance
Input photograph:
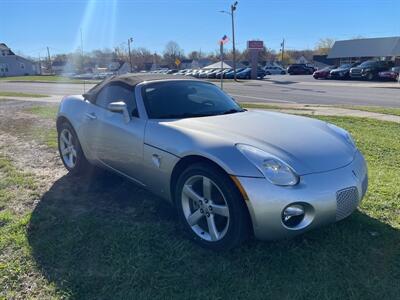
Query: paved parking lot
(273, 89)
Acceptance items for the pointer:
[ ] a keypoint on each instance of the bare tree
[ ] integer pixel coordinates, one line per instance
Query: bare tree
(142, 57)
(172, 52)
(324, 45)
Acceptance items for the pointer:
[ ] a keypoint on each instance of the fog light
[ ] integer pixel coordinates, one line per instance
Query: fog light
(293, 214)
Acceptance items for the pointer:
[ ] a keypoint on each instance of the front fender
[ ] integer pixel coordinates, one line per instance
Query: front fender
(188, 142)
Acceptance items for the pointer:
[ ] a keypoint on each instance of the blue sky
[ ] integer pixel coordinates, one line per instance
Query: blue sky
(28, 26)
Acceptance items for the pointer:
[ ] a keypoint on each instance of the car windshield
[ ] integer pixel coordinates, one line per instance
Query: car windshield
(186, 99)
(345, 66)
(367, 63)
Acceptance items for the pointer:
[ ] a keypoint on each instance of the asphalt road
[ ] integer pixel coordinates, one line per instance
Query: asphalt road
(273, 89)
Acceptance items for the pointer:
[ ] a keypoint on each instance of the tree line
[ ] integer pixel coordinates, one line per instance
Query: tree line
(143, 58)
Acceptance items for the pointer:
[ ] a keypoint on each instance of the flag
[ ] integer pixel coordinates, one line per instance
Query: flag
(224, 40)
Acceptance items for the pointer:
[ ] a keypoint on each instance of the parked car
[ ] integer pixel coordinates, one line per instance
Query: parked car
(224, 72)
(273, 70)
(323, 73)
(213, 74)
(246, 74)
(205, 73)
(392, 74)
(226, 175)
(181, 72)
(190, 72)
(172, 71)
(343, 71)
(300, 69)
(231, 74)
(370, 69)
(83, 76)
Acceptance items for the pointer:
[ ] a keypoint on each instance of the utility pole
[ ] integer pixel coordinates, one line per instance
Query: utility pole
(130, 40)
(82, 62)
(50, 66)
(282, 50)
(233, 8)
(40, 66)
(221, 49)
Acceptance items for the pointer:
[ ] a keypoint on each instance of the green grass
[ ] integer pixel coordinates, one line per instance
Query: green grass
(100, 237)
(270, 106)
(47, 112)
(17, 94)
(376, 109)
(46, 78)
(45, 135)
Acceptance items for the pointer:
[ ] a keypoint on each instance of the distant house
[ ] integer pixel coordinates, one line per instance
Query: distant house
(119, 67)
(301, 60)
(15, 65)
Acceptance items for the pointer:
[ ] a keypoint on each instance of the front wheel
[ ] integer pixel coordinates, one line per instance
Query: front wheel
(370, 76)
(70, 150)
(211, 208)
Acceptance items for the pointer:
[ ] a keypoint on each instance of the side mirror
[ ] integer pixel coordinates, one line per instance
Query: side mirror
(120, 107)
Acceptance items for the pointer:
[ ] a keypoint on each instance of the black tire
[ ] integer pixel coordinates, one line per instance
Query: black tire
(283, 73)
(81, 163)
(370, 76)
(239, 226)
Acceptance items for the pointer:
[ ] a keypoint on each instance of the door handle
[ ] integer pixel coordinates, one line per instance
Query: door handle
(91, 116)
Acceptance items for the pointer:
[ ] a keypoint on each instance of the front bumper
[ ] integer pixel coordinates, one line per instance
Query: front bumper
(328, 197)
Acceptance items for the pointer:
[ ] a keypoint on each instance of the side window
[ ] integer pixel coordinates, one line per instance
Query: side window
(113, 93)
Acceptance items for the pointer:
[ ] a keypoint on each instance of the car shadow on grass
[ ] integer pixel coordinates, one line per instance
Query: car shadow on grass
(101, 237)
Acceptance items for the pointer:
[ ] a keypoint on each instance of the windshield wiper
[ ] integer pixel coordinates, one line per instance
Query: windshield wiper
(233, 111)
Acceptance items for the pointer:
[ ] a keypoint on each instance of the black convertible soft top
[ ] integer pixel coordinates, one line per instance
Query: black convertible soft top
(129, 80)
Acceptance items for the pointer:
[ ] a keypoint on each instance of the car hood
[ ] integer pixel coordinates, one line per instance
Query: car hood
(306, 144)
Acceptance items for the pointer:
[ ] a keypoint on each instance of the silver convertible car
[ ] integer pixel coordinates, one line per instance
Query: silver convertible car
(229, 172)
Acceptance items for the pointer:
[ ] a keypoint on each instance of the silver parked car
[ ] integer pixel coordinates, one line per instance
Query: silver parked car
(229, 172)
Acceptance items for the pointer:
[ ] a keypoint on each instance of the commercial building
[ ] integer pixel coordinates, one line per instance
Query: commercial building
(385, 48)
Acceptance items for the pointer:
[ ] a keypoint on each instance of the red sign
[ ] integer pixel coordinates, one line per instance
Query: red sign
(255, 45)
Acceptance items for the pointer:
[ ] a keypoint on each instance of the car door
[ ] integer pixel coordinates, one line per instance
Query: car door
(113, 141)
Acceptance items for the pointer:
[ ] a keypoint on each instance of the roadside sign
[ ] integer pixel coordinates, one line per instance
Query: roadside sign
(177, 62)
(255, 45)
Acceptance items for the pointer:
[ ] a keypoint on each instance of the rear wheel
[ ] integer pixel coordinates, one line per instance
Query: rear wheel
(212, 210)
(70, 150)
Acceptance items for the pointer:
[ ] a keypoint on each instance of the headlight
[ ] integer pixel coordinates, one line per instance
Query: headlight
(273, 169)
(347, 136)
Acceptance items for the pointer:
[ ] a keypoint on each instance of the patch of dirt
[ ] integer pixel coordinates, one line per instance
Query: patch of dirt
(25, 153)
(110, 192)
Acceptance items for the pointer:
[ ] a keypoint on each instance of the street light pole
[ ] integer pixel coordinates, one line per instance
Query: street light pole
(232, 14)
(233, 8)
(130, 40)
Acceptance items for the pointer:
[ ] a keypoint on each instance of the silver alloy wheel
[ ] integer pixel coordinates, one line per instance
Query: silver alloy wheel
(67, 148)
(205, 208)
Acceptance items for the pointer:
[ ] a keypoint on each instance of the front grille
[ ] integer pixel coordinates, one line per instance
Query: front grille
(346, 202)
(364, 185)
